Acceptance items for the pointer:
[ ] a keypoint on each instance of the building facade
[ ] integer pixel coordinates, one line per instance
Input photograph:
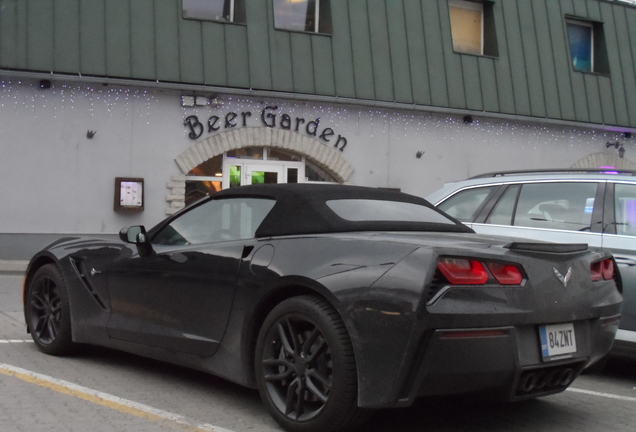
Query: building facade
(121, 112)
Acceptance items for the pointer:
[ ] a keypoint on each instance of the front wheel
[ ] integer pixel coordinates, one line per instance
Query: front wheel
(305, 368)
(48, 313)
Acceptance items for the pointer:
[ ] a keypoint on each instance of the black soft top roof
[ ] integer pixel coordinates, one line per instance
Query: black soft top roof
(302, 209)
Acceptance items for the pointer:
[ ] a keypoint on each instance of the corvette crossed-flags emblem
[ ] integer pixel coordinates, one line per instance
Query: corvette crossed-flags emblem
(564, 279)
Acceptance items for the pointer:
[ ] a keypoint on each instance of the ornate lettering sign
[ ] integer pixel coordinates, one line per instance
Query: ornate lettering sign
(269, 117)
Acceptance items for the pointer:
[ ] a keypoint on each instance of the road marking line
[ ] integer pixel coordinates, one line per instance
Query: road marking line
(109, 401)
(8, 341)
(606, 395)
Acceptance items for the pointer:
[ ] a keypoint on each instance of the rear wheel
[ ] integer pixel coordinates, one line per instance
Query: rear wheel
(47, 311)
(305, 368)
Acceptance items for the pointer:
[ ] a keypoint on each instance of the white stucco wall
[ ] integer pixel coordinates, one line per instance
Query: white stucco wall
(56, 180)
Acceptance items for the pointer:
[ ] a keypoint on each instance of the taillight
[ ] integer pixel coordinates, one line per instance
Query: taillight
(463, 271)
(602, 270)
(506, 274)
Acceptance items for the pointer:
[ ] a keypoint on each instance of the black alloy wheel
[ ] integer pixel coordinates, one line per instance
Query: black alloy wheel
(305, 367)
(47, 311)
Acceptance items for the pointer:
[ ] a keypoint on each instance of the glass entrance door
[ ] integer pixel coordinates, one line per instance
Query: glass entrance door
(263, 174)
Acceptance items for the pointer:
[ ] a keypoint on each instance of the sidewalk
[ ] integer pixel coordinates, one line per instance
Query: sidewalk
(14, 266)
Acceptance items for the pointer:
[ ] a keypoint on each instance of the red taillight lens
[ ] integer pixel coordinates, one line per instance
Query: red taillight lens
(608, 269)
(602, 270)
(463, 271)
(506, 274)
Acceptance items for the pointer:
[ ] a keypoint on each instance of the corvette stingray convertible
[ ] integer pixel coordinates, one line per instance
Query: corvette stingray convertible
(332, 301)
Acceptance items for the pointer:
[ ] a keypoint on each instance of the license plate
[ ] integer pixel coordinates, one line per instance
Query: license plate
(557, 341)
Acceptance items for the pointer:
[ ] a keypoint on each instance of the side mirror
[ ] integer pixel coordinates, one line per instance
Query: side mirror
(137, 235)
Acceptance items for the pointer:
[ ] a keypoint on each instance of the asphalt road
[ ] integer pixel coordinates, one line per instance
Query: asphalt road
(101, 390)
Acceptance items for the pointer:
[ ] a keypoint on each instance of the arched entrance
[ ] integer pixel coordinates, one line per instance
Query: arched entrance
(250, 156)
(605, 159)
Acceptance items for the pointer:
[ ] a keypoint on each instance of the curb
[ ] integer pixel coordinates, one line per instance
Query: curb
(13, 266)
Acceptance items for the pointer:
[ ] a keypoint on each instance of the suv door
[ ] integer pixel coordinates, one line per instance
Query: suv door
(620, 239)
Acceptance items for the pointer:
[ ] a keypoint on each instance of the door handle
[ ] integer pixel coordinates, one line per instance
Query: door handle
(625, 261)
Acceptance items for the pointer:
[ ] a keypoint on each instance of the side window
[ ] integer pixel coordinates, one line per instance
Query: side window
(625, 209)
(303, 15)
(216, 220)
(502, 213)
(562, 206)
(215, 10)
(463, 205)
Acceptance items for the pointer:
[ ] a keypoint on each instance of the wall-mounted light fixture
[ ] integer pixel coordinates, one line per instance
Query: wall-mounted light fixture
(621, 152)
(618, 146)
(45, 84)
(90, 134)
(468, 119)
(419, 154)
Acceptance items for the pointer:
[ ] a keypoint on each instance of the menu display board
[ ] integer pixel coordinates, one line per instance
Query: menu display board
(129, 194)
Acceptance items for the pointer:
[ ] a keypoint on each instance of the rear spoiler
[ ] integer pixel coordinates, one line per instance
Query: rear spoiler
(548, 247)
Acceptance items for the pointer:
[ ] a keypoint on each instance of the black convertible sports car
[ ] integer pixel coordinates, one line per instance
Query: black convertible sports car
(332, 301)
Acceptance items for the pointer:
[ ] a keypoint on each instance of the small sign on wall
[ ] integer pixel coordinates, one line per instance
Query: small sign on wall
(129, 194)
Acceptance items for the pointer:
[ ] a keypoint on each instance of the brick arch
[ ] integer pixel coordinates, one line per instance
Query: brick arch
(325, 156)
(605, 158)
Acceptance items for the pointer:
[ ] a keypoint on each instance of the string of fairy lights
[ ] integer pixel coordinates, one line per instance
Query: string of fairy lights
(373, 128)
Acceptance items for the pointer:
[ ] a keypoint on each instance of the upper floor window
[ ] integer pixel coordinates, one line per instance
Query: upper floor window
(303, 15)
(473, 27)
(215, 10)
(587, 46)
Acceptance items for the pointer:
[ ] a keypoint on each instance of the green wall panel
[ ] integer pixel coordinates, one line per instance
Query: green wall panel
(452, 61)
(167, 15)
(323, 65)
(517, 59)
(302, 63)
(546, 59)
(401, 66)
(92, 37)
(118, 53)
(505, 90)
(380, 51)
(280, 54)
(488, 77)
(598, 111)
(580, 8)
(40, 35)
(66, 55)
(237, 57)
(8, 33)
(361, 48)
(531, 55)
(577, 80)
(417, 52)
(472, 82)
(342, 49)
(617, 104)
(214, 56)
(627, 44)
(561, 56)
(258, 44)
(190, 51)
(142, 39)
(435, 53)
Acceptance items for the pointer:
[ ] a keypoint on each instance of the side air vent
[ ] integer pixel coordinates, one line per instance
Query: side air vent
(80, 271)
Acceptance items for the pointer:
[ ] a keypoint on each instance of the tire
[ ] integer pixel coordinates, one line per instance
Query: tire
(303, 348)
(48, 313)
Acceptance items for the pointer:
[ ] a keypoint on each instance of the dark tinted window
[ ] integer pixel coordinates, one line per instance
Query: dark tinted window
(502, 213)
(563, 206)
(216, 220)
(215, 10)
(365, 210)
(463, 205)
(625, 209)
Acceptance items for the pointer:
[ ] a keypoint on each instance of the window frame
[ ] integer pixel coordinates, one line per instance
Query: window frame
(571, 21)
(315, 31)
(222, 21)
(475, 6)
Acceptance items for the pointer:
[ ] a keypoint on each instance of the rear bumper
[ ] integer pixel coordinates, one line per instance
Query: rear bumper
(502, 362)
